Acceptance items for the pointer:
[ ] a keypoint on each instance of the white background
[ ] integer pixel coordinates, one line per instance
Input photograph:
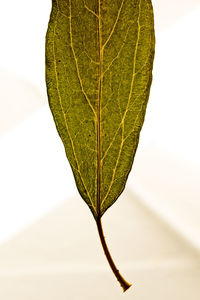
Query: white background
(34, 173)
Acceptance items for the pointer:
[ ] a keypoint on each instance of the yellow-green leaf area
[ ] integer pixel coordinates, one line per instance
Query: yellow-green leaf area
(99, 60)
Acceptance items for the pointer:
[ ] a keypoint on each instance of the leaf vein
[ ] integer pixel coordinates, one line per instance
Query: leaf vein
(114, 26)
(64, 116)
(129, 98)
(90, 10)
(118, 54)
(76, 62)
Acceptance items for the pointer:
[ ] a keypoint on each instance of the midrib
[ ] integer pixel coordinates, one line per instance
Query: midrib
(99, 116)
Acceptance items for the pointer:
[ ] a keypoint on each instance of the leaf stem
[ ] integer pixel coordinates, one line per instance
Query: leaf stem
(124, 284)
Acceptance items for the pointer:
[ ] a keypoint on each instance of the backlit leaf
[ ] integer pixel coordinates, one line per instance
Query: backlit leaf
(99, 57)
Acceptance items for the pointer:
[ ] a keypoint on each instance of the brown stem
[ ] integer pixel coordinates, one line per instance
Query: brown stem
(124, 284)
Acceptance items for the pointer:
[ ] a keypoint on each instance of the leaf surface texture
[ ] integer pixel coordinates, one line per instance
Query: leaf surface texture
(99, 59)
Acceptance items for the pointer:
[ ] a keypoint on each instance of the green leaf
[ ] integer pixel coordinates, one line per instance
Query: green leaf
(99, 58)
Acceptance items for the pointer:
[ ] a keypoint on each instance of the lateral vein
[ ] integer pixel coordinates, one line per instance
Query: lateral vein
(90, 10)
(129, 98)
(113, 29)
(76, 62)
(64, 116)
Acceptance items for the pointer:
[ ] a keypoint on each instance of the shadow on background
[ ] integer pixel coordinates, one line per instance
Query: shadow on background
(60, 256)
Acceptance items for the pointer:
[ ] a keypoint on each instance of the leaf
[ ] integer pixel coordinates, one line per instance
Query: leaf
(99, 59)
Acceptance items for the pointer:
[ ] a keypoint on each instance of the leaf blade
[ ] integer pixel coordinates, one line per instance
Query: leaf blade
(99, 59)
